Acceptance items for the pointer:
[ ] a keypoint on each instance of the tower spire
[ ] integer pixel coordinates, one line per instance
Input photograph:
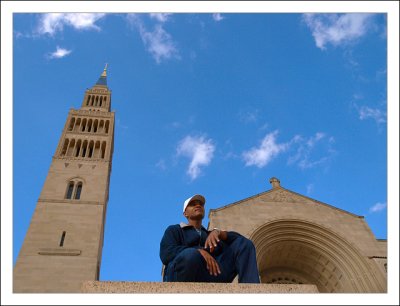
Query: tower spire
(102, 81)
(104, 74)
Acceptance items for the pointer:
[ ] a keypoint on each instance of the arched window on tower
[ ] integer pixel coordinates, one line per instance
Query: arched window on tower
(77, 124)
(65, 147)
(91, 145)
(88, 100)
(83, 125)
(78, 191)
(78, 148)
(101, 126)
(103, 149)
(84, 148)
(71, 147)
(70, 189)
(74, 189)
(107, 126)
(89, 125)
(71, 124)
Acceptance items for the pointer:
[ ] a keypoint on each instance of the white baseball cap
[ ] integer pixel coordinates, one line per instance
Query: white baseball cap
(195, 197)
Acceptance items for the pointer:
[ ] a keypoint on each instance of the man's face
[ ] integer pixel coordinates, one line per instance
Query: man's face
(194, 210)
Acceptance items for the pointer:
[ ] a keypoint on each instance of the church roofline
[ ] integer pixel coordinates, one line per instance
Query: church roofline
(271, 190)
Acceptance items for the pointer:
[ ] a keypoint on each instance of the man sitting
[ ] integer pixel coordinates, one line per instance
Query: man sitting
(191, 253)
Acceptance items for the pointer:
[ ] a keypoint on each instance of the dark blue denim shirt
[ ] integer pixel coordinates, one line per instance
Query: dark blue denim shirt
(178, 237)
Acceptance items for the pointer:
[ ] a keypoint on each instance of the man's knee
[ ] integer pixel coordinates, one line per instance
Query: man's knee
(189, 258)
(245, 243)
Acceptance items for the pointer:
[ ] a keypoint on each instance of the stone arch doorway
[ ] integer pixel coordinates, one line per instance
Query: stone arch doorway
(301, 252)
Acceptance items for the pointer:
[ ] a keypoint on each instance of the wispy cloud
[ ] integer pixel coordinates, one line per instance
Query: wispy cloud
(59, 53)
(376, 114)
(161, 17)
(248, 116)
(53, 22)
(377, 207)
(218, 17)
(158, 42)
(120, 125)
(161, 164)
(199, 150)
(311, 151)
(337, 29)
(310, 188)
(262, 155)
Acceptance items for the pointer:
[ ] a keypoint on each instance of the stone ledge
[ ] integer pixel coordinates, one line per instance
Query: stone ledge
(159, 287)
(59, 251)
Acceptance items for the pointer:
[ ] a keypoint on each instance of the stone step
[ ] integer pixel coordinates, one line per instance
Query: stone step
(159, 287)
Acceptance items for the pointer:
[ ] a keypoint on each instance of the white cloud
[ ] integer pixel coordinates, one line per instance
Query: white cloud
(53, 22)
(377, 207)
(337, 29)
(158, 42)
(366, 112)
(161, 17)
(59, 53)
(312, 151)
(267, 150)
(217, 17)
(199, 150)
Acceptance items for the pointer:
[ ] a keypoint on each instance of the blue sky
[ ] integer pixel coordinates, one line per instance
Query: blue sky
(207, 103)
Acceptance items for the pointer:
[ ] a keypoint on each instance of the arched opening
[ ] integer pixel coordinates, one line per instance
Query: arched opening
(77, 124)
(91, 144)
(78, 147)
(71, 124)
(65, 147)
(89, 125)
(84, 148)
(88, 100)
(101, 100)
(70, 188)
(78, 191)
(107, 126)
(96, 122)
(101, 126)
(83, 125)
(103, 149)
(71, 147)
(96, 153)
(297, 251)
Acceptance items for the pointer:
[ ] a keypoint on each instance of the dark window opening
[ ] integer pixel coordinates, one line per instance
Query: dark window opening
(70, 189)
(62, 239)
(78, 191)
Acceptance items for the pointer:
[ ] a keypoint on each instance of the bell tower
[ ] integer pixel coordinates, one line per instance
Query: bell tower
(63, 245)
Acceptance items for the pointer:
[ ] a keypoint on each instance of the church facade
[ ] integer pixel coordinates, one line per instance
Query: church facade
(298, 240)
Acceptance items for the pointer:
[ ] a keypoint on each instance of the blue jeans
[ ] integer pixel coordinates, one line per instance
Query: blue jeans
(239, 257)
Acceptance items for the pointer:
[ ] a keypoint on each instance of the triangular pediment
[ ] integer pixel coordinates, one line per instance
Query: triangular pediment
(283, 195)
